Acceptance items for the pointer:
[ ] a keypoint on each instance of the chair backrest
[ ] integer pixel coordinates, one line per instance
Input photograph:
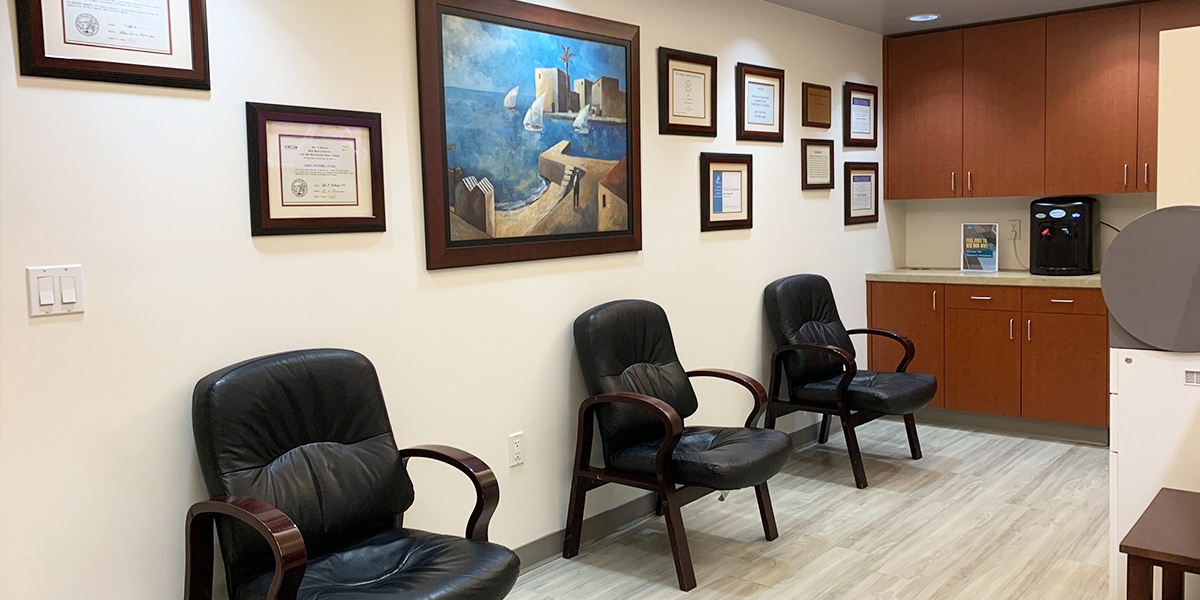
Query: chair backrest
(626, 346)
(800, 310)
(306, 431)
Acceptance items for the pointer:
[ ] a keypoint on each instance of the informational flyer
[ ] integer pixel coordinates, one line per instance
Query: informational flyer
(979, 245)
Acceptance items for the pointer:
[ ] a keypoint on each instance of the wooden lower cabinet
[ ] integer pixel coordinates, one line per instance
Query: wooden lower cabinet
(915, 310)
(1064, 374)
(983, 361)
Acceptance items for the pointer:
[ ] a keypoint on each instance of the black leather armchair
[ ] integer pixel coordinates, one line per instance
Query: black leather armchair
(309, 491)
(815, 352)
(641, 395)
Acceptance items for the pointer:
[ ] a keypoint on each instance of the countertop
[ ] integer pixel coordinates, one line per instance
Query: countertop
(954, 276)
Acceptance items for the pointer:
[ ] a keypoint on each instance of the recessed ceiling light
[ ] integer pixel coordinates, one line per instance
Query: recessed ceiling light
(922, 18)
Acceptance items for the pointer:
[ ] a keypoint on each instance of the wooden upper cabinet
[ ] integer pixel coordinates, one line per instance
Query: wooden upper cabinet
(1156, 17)
(923, 93)
(1004, 109)
(1092, 101)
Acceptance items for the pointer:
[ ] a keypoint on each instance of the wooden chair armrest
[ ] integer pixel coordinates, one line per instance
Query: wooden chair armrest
(281, 534)
(751, 384)
(851, 368)
(487, 489)
(910, 349)
(665, 412)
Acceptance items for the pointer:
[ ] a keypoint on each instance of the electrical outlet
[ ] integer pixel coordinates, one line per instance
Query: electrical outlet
(516, 448)
(1014, 229)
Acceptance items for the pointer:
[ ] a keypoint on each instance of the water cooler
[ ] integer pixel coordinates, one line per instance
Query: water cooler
(1063, 236)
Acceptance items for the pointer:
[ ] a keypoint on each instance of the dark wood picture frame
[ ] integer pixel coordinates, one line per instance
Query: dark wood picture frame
(709, 164)
(817, 105)
(617, 230)
(34, 61)
(805, 184)
(850, 93)
(260, 145)
(745, 130)
(851, 170)
(705, 66)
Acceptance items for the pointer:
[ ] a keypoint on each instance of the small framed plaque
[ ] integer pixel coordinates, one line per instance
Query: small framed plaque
(816, 168)
(862, 193)
(860, 117)
(314, 170)
(818, 105)
(759, 103)
(979, 245)
(726, 191)
(687, 93)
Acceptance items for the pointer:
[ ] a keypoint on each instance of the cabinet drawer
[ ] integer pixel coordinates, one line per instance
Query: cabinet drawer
(1064, 300)
(983, 297)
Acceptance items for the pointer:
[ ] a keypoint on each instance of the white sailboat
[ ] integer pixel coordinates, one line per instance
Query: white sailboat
(581, 120)
(510, 99)
(533, 116)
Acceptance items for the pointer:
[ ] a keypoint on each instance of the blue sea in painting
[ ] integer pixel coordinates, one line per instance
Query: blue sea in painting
(491, 141)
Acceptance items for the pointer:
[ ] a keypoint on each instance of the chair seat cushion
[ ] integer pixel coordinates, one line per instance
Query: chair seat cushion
(722, 458)
(404, 563)
(887, 393)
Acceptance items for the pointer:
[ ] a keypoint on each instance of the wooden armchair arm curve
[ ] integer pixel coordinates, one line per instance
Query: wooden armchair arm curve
(487, 489)
(910, 349)
(848, 364)
(665, 412)
(281, 534)
(751, 384)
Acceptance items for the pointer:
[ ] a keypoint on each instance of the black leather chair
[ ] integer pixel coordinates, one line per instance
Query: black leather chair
(815, 352)
(309, 491)
(641, 395)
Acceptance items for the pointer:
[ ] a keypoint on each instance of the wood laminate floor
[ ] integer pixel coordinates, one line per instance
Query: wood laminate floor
(981, 516)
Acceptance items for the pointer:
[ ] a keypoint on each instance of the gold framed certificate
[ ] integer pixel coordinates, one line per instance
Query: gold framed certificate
(726, 191)
(687, 93)
(817, 108)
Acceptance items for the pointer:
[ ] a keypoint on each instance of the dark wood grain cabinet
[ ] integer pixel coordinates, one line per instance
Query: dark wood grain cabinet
(983, 350)
(923, 95)
(916, 310)
(1156, 18)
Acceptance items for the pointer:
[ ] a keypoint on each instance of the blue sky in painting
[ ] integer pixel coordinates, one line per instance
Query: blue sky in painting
(488, 57)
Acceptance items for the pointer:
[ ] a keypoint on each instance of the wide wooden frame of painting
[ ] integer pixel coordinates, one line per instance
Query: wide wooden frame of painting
(521, 162)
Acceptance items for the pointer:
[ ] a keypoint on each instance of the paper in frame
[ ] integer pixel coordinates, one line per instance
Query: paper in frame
(314, 170)
(817, 164)
(980, 247)
(760, 102)
(726, 191)
(145, 42)
(861, 184)
(817, 109)
(860, 115)
(687, 93)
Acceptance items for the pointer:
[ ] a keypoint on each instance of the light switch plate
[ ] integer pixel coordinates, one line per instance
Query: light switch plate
(56, 273)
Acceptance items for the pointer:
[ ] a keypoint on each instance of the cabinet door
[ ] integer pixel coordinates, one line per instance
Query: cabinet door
(915, 310)
(923, 116)
(1092, 101)
(983, 361)
(1156, 17)
(1004, 109)
(1065, 368)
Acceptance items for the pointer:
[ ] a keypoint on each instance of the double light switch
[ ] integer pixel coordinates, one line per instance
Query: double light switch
(55, 290)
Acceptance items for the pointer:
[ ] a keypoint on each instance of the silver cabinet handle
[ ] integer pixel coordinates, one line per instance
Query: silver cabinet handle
(1029, 330)
(934, 300)
(1057, 301)
(981, 297)
(969, 186)
(1146, 173)
(1010, 328)
(1126, 175)
(952, 174)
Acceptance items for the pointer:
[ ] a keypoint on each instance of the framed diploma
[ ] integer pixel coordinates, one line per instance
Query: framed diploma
(979, 244)
(759, 103)
(687, 93)
(530, 132)
(818, 105)
(816, 170)
(860, 115)
(314, 170)
(726, 191)
(145, 42)
(862, 193)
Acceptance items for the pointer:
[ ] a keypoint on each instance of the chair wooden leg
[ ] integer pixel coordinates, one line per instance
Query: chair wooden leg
(914, 444)
(823, 433)
(679, 545)
(765, 511)
(571, 539)
(856, 461)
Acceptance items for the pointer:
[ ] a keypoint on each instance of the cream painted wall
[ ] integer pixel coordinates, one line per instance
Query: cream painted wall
(1178, 127)
(146, 187)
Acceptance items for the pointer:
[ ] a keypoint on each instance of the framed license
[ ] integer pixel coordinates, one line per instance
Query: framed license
(818, 105)
(979, 244)
(759, 103)
(687, 93)
(314, 170)
(862, 193)
(726, 191)
(816, 168)
(860, 117)
(146, 42)
(530, 132)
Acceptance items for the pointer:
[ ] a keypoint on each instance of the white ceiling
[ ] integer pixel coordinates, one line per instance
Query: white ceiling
(888, 16)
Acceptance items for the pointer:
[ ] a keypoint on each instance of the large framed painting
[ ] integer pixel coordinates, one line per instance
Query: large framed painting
(529, 133)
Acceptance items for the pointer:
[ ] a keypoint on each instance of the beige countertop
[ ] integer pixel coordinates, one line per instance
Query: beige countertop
(954, 276)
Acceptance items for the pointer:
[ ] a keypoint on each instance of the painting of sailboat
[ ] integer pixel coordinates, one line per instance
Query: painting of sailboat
(581, 121)
(533, 116)
(510, 99)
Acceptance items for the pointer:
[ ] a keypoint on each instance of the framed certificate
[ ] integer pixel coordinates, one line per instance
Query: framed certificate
(862, 193)
(726, 191)
(314, 170)
(146, 42)
(759, 103)
(687, 93)
(860, 117)
(979, 244)
(818, 105)
(816, 167)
